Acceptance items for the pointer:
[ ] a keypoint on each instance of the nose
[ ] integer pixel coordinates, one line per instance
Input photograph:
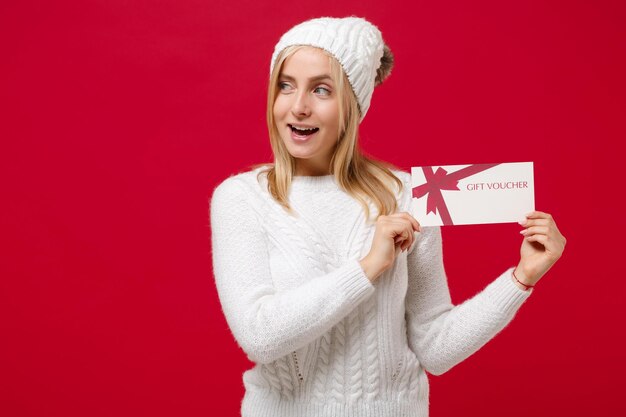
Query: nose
(300, 105)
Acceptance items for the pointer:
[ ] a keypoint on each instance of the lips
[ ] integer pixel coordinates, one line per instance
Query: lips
(302, 135)
(303, 130)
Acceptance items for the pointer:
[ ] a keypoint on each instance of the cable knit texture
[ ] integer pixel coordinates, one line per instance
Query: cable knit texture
(324, 339)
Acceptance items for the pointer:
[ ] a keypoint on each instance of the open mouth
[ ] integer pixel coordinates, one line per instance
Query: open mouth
(303, 131)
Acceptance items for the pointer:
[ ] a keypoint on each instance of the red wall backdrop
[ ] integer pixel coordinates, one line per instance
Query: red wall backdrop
(119, 118)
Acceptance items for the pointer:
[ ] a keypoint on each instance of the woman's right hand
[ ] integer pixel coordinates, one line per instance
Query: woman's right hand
(394, 233)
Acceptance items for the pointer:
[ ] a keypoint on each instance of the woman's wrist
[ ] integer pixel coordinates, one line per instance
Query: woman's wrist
(522, 278)
(369, 269)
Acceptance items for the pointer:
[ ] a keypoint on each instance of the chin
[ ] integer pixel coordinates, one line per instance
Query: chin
(297, 151)
(300, 155)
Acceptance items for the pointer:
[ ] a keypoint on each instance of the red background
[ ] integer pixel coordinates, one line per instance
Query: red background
(119, 118)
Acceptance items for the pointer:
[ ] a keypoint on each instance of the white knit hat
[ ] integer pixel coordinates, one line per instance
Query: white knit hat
(353, 41)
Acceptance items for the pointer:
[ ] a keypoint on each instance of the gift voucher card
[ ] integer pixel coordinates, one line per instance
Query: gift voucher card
(472, 194)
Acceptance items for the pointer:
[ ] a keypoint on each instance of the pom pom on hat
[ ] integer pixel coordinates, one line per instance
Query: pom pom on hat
(356, 43)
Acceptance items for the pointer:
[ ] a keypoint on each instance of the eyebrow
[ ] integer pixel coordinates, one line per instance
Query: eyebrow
(316, 78)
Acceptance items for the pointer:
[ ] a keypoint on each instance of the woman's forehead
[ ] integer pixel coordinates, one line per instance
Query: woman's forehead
(307, 62)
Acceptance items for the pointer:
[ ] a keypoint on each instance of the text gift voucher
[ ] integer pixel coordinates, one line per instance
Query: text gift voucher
(472, 194)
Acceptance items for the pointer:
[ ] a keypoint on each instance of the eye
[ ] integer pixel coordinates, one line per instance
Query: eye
(283, 86)
(325, 91)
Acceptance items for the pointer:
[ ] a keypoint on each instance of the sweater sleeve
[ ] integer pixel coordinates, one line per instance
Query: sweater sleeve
(443, 335)
(267, 323)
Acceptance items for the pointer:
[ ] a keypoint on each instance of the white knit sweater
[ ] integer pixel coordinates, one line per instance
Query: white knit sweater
(325, 340)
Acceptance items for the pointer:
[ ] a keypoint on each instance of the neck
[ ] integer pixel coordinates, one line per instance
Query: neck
(309, 168)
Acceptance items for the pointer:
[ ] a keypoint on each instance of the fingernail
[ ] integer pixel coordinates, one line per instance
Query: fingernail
(523, 222)
(522, 232)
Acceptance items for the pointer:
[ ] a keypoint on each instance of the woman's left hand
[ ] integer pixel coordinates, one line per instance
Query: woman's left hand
(543, 245)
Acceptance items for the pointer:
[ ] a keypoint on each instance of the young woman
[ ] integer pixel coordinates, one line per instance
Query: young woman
(327, 282)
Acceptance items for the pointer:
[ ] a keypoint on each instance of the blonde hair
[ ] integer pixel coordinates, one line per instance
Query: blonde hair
(362, 177)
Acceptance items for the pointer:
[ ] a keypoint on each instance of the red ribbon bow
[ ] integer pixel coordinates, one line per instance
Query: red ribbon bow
(441, 180)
